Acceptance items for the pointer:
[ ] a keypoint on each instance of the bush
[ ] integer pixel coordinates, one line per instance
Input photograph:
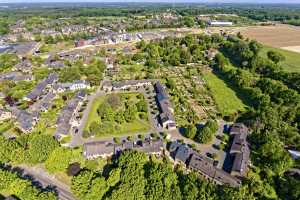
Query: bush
(117, 140)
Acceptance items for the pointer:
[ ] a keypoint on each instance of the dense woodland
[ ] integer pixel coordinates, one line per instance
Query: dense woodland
(82, 14)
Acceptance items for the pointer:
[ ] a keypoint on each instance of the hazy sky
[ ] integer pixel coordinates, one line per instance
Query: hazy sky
(169, 1)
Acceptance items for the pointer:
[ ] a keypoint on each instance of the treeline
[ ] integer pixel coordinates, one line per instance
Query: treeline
(12, 184)
(274, 117)
(276, 105)
(38, 149)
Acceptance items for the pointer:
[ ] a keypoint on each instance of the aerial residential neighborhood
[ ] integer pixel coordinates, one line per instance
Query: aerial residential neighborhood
(147, 100)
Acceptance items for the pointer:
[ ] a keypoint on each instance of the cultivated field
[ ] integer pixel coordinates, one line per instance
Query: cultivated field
(275, 36)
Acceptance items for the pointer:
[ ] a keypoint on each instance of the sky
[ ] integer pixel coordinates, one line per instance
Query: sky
(165, 1)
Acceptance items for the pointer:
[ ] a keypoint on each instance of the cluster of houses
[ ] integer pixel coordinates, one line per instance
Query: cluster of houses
(240, 152)
(41, 87)
(182, 154)
(116, 38)
(69, 117)
(111, 38)
(102, 149)
(40, 100)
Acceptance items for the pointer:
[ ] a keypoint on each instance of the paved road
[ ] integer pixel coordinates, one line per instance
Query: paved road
(45, 180)
(77, 139)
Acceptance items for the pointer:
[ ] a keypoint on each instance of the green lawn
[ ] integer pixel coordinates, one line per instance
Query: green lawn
(225, 98)
(136, 126)
(292, 59)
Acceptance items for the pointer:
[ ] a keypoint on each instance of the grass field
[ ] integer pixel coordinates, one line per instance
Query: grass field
(292, 59)
(136, 126)
(225, 98)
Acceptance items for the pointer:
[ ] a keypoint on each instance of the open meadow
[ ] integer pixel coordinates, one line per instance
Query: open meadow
(226, 99)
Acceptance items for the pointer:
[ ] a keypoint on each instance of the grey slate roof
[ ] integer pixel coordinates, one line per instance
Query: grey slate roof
(15, 76)
(129, 83)
(238, 128)
(41, 86)
(95, 149)
(164, 105)
(183, 153)
(25, 48)
(201, 164)
(240, 149)
(25, 120)
(66, 115)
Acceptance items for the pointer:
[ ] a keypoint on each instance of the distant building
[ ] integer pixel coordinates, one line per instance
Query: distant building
(24, 66)
(107, 86)
(16, 76)
(76, 85)
(44, 104)
(220, 23)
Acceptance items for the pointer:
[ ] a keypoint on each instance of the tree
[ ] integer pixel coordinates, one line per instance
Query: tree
(185, 56)
(190, 131)
(114, 101)
(119, 117)
(132, 180)
(81, 183)
(188, 21)
(162, 183)
(105, 112)
(59, 160)
(274, 157)
(142, 106)
(174, 59)
(206, 134)
(40, 147)
(275, 56)
(130, 113)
